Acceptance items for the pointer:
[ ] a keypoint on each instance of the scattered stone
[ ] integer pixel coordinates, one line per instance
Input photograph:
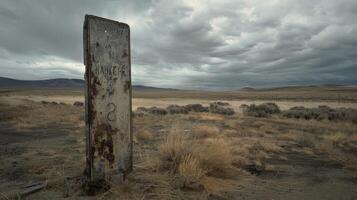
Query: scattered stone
(255, 169)
(184, 184)
(92, 188)
(194, 186)
(244, 107)
(45, 102)
(52, 103)
(138, 114)
(222, 103)
(78, 103)
(142, 109)
(215, 197)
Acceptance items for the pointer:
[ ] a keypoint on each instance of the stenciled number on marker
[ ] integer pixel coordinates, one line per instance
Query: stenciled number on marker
(111, 116)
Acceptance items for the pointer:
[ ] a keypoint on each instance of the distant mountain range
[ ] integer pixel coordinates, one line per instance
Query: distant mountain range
(58, 83)
(79, 83)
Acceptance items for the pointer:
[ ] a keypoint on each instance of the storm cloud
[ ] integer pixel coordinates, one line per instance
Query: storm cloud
(190, 44)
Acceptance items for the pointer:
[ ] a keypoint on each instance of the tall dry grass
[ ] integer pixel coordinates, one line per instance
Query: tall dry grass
(174, 148)
(194, 158)
(144, 135)
(205, 131)
(214, 155)
(190, 169)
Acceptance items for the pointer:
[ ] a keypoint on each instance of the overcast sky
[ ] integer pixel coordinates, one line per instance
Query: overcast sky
(190, 44)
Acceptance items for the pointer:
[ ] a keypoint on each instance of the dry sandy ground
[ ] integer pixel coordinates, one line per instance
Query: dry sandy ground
(164, 102)
(244, 157)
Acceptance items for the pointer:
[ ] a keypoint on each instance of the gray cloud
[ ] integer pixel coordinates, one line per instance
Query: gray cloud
(225, 44)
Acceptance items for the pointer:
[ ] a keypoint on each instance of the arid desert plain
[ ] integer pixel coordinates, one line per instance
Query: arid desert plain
(293, 143)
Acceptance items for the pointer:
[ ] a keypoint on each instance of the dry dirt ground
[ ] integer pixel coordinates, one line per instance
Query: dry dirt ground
(181, 156)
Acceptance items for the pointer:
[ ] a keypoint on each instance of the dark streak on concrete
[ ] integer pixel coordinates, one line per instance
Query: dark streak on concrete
(125, 54)
(94, 82)
(103, 142)
(127, 86)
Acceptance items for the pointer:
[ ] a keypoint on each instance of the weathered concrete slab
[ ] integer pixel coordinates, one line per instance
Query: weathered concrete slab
(108, 97)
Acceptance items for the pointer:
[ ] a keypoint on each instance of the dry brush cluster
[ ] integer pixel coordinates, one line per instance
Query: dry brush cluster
(221, 108)
(215, 107)
(320, 113)
(261, 110)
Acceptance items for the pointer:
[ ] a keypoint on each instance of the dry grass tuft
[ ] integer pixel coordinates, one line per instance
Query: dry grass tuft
(174, 148)
(190, 169)
(271, 146)
(205, 131)
(214, 155)
(339, 147)
(337, 139)
(240, 161)
(193, 158)
(205, 117)
(251, 155)
(144, 135)
(306, 140)
(9, 113)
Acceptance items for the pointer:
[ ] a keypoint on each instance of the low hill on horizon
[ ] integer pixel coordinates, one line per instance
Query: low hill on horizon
(75, 87)
(59, 83)
(79, 83)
